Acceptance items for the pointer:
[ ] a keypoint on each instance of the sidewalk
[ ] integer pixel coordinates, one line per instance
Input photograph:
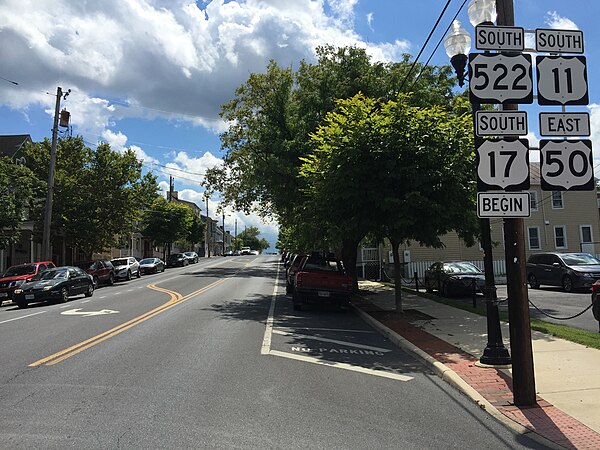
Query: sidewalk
(451, 340)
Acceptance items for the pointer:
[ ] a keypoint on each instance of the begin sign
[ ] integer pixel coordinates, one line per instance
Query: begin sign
(503, 204)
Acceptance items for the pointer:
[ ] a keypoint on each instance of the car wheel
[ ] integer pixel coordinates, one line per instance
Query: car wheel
(95, 281)
(64, 295)
(21, 305)
(428, 287)
(533, 281)
(111, 279)
(128, 276)
(138, 273)
(567, 283)
(297, 301)
(90, 290)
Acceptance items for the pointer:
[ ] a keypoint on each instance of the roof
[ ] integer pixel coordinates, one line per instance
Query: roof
(11, 144)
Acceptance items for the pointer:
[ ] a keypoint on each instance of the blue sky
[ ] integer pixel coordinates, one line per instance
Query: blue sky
(152, 74)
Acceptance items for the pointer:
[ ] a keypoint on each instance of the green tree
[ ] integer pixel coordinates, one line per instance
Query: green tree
(167, 222)
(17, 185)
(99, 194)
(397, 170)
(196, 230)
(271, 119)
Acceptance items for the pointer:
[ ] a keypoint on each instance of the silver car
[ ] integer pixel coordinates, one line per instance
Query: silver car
(126, 267)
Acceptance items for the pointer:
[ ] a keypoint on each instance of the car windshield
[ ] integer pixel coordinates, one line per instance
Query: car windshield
(176, 255)
(85, 264)
(147, 261)
(120, 262)
(580, 259)
(52, 274)
(16, 271)
(188, 254)
(461, 267)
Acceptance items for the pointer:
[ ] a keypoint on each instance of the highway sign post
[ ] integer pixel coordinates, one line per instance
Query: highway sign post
(562, 80)
(500, 123)
(502, 164)
(566, 165)
(565, 124)
(558, 41)
(490, 37)
(498, 78)
(503, 204)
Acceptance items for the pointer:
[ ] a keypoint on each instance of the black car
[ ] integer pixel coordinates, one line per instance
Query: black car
(454, 278)
(571, 271)
(58, 283)
(151, 265)
(177, 259)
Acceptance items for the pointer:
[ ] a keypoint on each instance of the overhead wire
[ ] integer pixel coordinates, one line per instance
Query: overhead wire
(425, 44)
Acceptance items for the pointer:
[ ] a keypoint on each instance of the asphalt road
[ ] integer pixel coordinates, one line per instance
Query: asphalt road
(213, 356)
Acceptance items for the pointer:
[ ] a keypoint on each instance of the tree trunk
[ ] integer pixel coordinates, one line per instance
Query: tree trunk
(349, 249)
(397, 274)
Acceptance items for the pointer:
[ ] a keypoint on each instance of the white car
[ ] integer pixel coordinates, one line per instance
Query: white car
(254, 252)
(245, 251)
(126, 267)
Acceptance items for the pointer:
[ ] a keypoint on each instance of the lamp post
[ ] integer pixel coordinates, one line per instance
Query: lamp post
(458, 44)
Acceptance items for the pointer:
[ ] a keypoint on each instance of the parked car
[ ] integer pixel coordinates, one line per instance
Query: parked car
(571, 271)
(177, 259)
(151, 265)
(245, 251)
(228, 253)
(290, 274)
(236, 253)
(16, 276)
(321, 280)
(126, 267)
(192, 257)
(101, 270)
(58, 283)
(253, 252)
(454, 278)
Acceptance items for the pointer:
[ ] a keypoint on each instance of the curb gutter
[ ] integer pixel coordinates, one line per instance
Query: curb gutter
(452, 378)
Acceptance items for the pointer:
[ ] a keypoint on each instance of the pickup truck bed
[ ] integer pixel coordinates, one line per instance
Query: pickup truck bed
(321, 280)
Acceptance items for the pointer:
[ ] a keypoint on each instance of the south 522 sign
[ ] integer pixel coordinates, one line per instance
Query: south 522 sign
(498, 78)
(566, 165)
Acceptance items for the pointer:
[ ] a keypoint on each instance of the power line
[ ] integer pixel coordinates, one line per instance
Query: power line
(425, 44)
(438, 44)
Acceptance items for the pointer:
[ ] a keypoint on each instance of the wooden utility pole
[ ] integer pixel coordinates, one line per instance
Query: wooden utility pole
(46, 246)
(518, 300)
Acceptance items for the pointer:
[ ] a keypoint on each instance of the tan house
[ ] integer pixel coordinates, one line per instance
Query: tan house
(563, 221)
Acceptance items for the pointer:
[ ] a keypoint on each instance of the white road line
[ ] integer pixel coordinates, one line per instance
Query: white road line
(84, 301)
(266, 345)
(64, 306)
(129, 290)
(334, 341)
(104, 296)
(326, 329)
(338, 365)
(23, 317)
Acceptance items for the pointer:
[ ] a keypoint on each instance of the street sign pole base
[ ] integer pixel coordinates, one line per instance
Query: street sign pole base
(495, 355)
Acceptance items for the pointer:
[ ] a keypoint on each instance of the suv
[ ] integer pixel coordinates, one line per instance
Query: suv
(568, 270)
(15, 276)
(101, 271)
(126, 267)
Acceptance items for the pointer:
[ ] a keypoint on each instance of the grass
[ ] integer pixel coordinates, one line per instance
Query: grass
(583, 337)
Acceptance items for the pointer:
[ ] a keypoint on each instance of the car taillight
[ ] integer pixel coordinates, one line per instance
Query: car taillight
(596, 286)
(298, 280)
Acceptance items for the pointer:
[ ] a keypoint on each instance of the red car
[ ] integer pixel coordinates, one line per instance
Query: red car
(15, 276)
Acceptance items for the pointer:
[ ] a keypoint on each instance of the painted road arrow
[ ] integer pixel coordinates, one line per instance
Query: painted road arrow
(79, 312)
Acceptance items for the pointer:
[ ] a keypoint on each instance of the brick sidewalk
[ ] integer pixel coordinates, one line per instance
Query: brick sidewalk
(493, 384)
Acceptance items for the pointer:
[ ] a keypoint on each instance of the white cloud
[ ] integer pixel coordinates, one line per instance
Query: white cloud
(178, 59)
(553, 20)
(117, 142)
(370, 21)
(595, 137)
(192, 170)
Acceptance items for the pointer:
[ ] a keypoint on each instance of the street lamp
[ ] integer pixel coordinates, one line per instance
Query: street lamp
(458, 44)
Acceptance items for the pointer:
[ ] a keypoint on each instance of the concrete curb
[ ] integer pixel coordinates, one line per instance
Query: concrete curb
(452, 378)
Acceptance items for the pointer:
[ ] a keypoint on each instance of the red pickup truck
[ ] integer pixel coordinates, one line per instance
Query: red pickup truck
(321, 280)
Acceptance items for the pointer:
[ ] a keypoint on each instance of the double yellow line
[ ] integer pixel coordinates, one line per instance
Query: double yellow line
(175, 299)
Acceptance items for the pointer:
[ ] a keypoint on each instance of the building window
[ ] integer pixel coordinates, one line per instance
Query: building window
(560, 237)
(586, 234)
(533, 202)
(533, 234)
(557, 200)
